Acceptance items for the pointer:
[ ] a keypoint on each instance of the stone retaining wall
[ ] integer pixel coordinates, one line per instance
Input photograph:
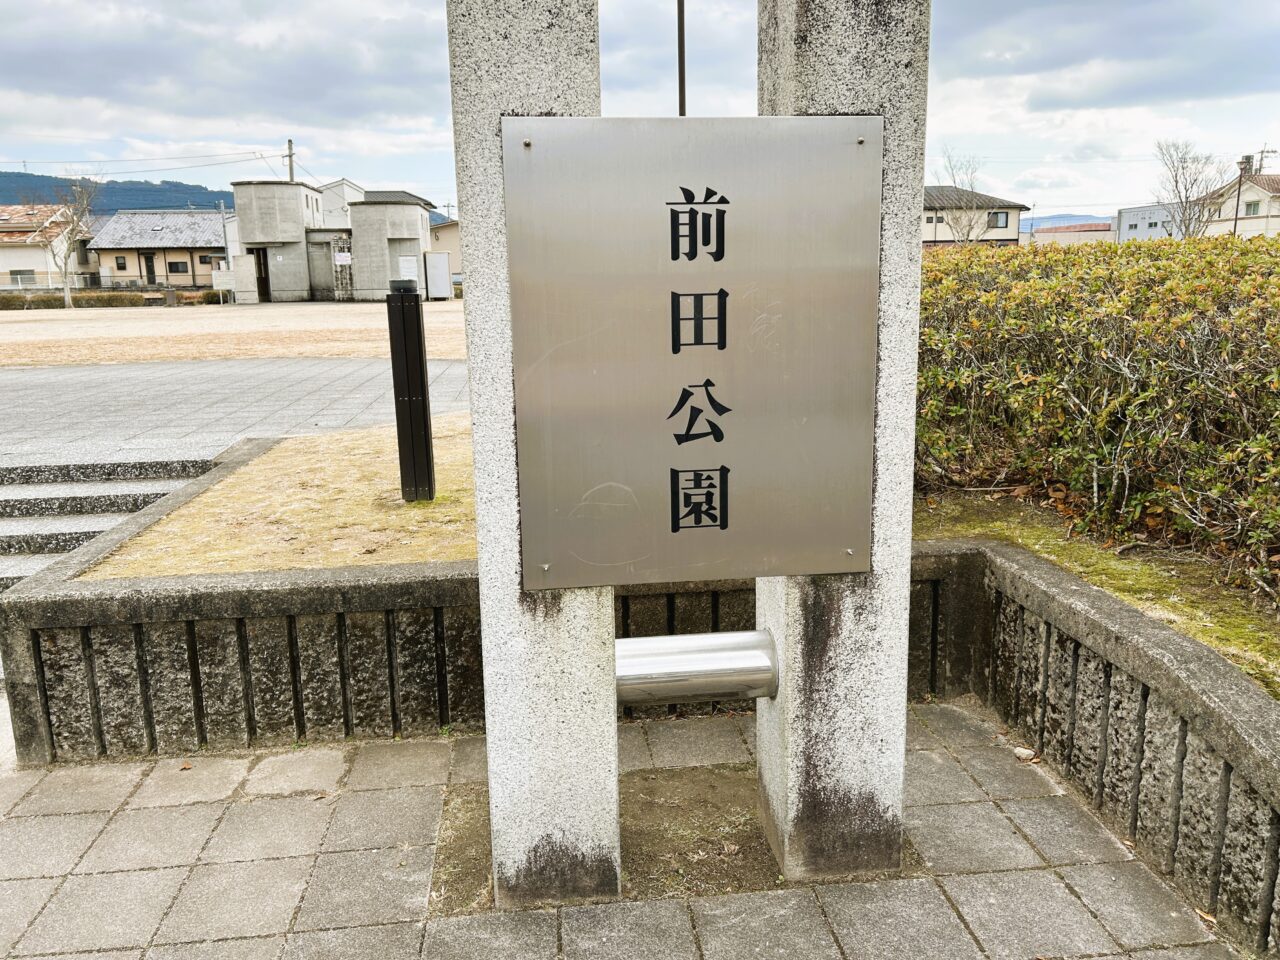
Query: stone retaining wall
(1177, 750)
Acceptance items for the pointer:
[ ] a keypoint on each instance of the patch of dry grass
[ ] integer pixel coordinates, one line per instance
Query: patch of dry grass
(314, 502)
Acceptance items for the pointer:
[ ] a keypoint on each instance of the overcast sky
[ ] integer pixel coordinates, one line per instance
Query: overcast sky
(1062, 99)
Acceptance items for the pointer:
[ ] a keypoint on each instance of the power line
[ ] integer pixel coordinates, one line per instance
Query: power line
(270, 167)
(190, 156)
(136, 170)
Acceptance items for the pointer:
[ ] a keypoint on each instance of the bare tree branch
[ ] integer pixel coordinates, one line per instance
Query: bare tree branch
(1187, 179)
(969, 222)
(75, 214)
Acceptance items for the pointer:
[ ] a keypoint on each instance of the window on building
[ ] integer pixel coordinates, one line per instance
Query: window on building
(177, 266)
(1252, 208)
(997, 220)
(23, 278)
(1152, 224)
(206, 259)
(122, 263)
(928, 219)
(941, 219)
(1133, 226)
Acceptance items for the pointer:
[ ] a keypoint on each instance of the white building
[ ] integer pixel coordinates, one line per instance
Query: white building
(1150, 222)
(1248, 206)
(952, 215)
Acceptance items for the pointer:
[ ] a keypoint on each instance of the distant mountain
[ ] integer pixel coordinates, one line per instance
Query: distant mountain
(113, 195)
(1061, 220)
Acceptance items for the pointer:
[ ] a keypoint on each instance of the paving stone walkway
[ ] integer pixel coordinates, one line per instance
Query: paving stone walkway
(195, 409)
(326, 853)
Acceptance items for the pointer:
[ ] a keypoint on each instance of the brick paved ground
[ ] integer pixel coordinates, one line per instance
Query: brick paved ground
(327, 852)
(195, 409)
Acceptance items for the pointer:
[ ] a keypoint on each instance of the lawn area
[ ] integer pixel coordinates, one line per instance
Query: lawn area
(211, 332)
(314, 502)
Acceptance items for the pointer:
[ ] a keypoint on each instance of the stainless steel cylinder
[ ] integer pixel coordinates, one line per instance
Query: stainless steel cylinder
(697, 666)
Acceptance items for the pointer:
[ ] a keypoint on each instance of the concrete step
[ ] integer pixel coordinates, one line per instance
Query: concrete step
(88, 496)
(19, 566)
(108, 470)
(53, 534)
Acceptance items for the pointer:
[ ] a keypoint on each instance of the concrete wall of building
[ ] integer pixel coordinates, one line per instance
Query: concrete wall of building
(1149, 222)
(246, 288)
(1070, 237)
(336, 200)
(273, 212)
(935, 226)
(382, 233)
(447, 238)
(288, 272)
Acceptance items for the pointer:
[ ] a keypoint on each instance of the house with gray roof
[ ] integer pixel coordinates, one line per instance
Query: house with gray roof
(952, 215)
(162, 248)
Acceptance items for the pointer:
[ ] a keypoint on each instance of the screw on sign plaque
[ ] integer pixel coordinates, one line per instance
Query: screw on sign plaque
(694, 345)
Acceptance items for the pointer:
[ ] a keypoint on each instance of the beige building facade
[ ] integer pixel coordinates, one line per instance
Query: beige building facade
(952, 215)
(1258, 207)
(161, 248)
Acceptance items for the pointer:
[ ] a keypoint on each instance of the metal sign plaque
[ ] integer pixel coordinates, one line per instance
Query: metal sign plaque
(693, 310)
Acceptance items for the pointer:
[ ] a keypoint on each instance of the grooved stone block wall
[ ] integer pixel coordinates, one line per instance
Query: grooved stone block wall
(1173, 746)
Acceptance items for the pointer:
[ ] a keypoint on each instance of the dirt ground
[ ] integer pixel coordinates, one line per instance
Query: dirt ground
(314, 502)
(690, 831)
(211, 332)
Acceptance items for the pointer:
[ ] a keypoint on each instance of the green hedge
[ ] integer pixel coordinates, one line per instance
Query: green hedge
(49, 301)
(1137, 385)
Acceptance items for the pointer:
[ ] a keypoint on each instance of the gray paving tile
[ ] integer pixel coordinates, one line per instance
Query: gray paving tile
(1028, 914)
(645, 930)
(1003, 776)
(20, 901)
(776, 925)
(225, 900)
(270, 827)
(955, 726)
(697, 742)
(103, 912)
(97, 955)
(385, 818)
(920, 737)
(164, 837)
(896, 919)
(469, 762)
(1064, 831)
(14, 784)
(102, 786)
(492, 936)
(412, 763)
(1134, 906)
(363, 887)
(967, 838)
(45, 846)
(633, 748)
(258, 948)
(313, 770)
(191, 780)
(395, 942)
(933, 777)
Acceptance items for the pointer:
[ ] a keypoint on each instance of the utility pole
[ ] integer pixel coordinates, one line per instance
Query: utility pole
(448, 210)
(289, 157)
(1245, 163)
(226, 245)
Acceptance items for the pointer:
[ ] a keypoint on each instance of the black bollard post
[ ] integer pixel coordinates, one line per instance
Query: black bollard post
(409, 381)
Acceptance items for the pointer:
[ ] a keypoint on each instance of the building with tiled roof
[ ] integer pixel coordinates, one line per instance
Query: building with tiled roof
(1248, 206)
(32, 239)
(953, 215)
(166, 248)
